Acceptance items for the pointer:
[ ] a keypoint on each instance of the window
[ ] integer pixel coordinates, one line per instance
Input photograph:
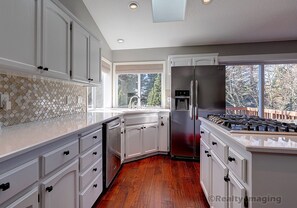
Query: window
(139, 85)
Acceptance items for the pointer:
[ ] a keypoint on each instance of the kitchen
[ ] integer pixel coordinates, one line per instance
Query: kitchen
(76, 127)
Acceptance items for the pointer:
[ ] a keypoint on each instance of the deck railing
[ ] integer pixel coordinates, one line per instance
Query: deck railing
(268, 113)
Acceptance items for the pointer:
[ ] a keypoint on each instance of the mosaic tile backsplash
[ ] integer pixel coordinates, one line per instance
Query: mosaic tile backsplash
(35, 98)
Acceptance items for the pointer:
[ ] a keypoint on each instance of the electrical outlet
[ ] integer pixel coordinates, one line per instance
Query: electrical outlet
(67, 100)
(4, 102)
(79, 100)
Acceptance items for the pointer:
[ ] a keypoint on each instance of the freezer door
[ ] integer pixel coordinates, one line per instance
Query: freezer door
(209, 95)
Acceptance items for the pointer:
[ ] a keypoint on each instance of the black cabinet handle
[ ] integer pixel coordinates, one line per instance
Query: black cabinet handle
(94, 137)
(5, 186)
(162, 124)
(231, 159)
(206, 151)
(95, 169)
(122, 132)
(94, 153)
(226, 178)
(66, 152)
(95, 185)
(208, 155)
(214, 143)
(202, 132)
(49, 189)
(40, 67)
(91, 79)
(45, 69)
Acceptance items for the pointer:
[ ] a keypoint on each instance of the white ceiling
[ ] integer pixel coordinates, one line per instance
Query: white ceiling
(221, 22)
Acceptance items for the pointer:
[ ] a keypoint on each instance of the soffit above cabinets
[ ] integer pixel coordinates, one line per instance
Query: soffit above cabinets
(220, 22)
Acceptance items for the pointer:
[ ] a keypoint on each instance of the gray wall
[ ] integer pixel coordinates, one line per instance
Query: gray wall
(78, 8)
(154, 54)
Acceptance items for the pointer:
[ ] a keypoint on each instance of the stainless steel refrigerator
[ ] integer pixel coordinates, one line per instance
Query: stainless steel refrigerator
(195, 92)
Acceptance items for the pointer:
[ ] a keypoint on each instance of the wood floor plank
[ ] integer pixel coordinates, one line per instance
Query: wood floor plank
(156, 182)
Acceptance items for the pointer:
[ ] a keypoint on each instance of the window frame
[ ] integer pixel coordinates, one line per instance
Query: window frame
(116, 76)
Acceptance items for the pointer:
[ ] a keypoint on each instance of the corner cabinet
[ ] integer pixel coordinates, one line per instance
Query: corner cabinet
(56, 41)
(61, 189)
(133, 141)
(149, 137)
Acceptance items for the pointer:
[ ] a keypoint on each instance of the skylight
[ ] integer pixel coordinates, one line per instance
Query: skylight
(169, 10)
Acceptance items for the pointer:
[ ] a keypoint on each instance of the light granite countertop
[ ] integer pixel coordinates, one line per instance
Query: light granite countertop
(266, 143)
(18, 139)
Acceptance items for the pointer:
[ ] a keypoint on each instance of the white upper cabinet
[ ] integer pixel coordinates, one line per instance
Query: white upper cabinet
(20, 28)
(56, 41)
(193, 60)
(95, 61)
(80, 53)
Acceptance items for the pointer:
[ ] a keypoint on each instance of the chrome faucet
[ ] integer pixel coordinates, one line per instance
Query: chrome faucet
(130, 101)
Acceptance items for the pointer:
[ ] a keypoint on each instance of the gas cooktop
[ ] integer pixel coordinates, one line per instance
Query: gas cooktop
(252, 124)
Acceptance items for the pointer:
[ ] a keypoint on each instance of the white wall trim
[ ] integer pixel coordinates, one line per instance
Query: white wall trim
(259, 59)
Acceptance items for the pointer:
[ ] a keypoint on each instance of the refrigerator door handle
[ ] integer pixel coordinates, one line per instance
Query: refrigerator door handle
(191, 100)
(196, 103)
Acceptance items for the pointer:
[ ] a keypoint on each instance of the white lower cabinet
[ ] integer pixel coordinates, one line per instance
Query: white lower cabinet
(28, 200)
(237, 192)
(133, 141)
(205, 169)
(150, 136)
(219, 186)
(61, 189)
(164, 132)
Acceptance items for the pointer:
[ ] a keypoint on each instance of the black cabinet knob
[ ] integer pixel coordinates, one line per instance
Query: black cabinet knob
(162, 124)
(49, 189)
(94, 137)
(122, 132)
(202, 132)
(206, 151)
(40, 67)
(66, 152)
(214, 143)
(95, 169)
(4, 186)
(226, 178)
(95, 185)
(94, 153)
(231, 159)
(208, 155)
(45, 69)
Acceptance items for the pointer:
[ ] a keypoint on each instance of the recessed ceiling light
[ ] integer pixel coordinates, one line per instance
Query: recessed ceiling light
(121, 40)
(206, 1)
(133, 5)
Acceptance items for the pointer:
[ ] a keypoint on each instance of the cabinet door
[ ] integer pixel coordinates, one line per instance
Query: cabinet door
(205, 169)
(181, 61)
(205, 60)
(80, 54)
(164, 134)
(133, 141)
(95, 61)
(123, 148)
(236, 191)
(150, 136)
(219, 186)
(61, 190)
(20, 30)
(29, 200)
(56, 41)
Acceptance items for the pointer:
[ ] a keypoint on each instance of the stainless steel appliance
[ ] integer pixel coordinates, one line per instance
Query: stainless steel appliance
(245, 124)
(195, 92)
(111, 150)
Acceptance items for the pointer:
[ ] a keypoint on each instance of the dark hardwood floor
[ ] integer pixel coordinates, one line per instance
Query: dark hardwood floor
(156, 182)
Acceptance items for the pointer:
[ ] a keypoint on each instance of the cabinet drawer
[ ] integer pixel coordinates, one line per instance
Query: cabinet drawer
(58, 157)
(18, 179)
(219, 147)
(89, 175)
(89, 140)
(90, 157)
(92, 192)
(204, 135)
(237, 164)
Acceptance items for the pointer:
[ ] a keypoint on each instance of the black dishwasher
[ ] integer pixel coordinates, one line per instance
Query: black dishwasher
(111, 150)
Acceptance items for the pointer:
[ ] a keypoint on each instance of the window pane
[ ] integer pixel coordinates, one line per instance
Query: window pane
(242, 89)
(150, 89)
(280, 98)
(127, 87)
